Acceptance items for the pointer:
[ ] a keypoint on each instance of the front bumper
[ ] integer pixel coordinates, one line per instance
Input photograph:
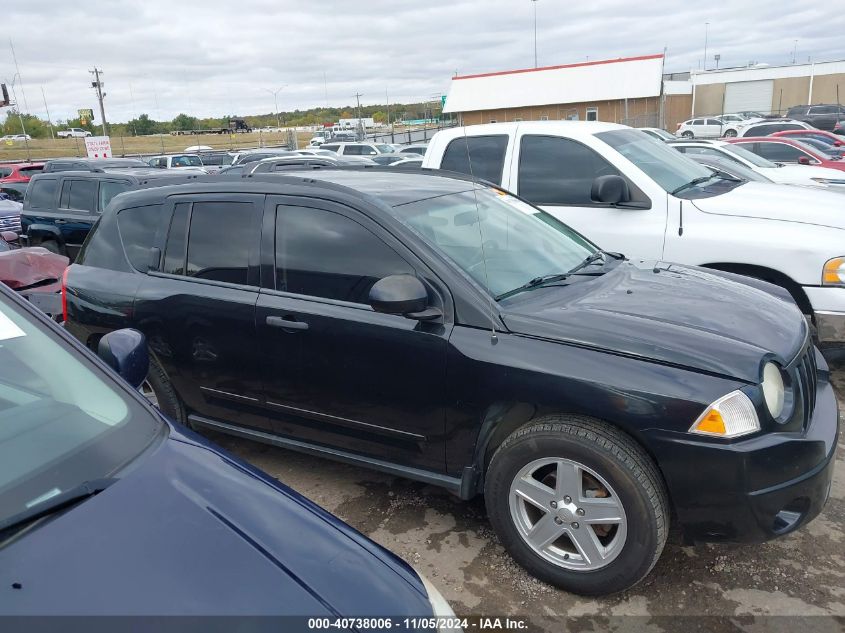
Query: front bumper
(830, 326)
(756, 489)
(828, 312)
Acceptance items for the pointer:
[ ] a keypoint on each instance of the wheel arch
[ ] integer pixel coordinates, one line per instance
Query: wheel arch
(769, 275)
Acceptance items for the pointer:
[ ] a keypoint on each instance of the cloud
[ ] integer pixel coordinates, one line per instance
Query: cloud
(217, 57)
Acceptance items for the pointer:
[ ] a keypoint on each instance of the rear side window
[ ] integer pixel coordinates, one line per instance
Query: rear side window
(5, 172)
(138, 227)
(78, 195)
(771, 128)
(30, 170)
(485, 154)
(325, 254)
(42, 193)
(331, 148)
(108, 190)
(779, 152)
(554, 170)
(221, 237)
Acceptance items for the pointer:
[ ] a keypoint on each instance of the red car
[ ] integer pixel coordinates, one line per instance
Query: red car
(824, 136)
(19, 172)
(779, 149)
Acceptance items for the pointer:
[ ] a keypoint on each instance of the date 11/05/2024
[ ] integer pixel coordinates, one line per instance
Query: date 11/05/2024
(420, 624)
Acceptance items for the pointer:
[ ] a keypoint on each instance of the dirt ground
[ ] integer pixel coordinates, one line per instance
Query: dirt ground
(737, 587)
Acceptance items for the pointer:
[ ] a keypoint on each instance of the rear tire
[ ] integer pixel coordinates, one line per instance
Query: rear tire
(575, 468)
(158, 386)
(687, 134)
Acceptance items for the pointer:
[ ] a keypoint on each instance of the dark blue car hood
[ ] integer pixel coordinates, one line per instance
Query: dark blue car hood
(691, 317)
(192, 531)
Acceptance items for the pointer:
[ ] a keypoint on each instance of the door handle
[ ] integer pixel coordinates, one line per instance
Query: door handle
(60, 221)
(286, 324)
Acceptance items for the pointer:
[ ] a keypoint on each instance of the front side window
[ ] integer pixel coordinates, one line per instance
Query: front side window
(779, 152)
(186, 161)
(698, 122)
(220, 239)
(735, 149)
(555, 170)
(108, 190)
(42, 193)
(501, 243)
(482, 157)
(656, 159)
(353, 150)
(138, 226)
(62, 421)
(324, 254)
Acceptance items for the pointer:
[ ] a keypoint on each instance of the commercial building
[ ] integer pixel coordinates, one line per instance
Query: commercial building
(762, 88)
(636, 91)
(628, 90)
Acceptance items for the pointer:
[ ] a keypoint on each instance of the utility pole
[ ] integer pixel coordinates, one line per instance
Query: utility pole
(706, 29)
(98, 86)
(20, 117)
(534, 2)
(275, 94)
(18, 72)
(794, 50)
(360, 126)
(49, 121)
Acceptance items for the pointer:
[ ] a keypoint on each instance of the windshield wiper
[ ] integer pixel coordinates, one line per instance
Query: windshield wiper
(691, 183)
(55, 503)
(544, 280)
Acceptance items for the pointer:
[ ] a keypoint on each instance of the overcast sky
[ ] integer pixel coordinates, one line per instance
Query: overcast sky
(212, 57)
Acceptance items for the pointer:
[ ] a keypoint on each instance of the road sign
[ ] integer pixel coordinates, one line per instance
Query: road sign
(86, 113)
(98, 146)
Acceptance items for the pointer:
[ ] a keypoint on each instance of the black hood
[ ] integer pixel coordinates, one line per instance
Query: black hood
(680, 315)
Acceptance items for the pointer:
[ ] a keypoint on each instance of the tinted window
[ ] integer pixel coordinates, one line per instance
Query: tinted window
(32, 169)
(771, 128)
(174, 253)
(221, 237)
(79, 194)
(823, 110)
(323, 254)
(779, 152)
(331, 148)
(108, 190)
(137, 231)
(555, 170)
(5, 172)
(13, 194)
(713, 122)
(43, 193)
(698, 122)
(486, 156)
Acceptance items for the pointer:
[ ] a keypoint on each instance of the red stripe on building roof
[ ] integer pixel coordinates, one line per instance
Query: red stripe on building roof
(536, 70)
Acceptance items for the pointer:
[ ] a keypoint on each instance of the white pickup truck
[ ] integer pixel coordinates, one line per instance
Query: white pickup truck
(74, 132)
(633, 194)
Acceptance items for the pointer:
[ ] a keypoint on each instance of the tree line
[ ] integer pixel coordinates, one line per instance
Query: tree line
(143, 125)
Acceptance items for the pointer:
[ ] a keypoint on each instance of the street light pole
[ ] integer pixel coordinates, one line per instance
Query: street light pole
(534, 2)
(49, 121)
(275, 94)
(20, 117)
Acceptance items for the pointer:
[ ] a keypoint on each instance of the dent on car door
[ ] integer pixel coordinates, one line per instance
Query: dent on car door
(557, 174)
(198, 307)
(339, 373)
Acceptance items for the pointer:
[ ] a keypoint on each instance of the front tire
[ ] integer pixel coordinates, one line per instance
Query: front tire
(578, 504)
(730, 133)
(159, 391)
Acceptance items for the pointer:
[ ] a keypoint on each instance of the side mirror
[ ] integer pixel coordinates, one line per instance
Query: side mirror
(402, 294)
(125, 351)
(803, 160)
(611, 189)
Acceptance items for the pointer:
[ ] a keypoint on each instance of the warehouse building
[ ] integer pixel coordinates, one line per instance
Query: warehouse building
(628, 90)
(767, 89)
(635, 91)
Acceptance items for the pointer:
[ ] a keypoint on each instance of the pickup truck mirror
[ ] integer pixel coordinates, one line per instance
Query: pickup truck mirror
(610, 189)
(803, 160)
(402, 294)
(125, 351)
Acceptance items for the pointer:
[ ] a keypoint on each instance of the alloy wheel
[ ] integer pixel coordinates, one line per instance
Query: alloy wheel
(568, 514)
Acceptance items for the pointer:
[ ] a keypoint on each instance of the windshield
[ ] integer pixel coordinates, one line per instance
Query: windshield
(62, 422)
(665, 165)
(186, 161)
(751, 157)
(520, 242)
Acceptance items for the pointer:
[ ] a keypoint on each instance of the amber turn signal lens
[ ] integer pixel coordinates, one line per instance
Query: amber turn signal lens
(711, 423)
(834, 271)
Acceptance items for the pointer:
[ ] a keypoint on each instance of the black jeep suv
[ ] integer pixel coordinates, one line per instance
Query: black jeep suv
(446, 331)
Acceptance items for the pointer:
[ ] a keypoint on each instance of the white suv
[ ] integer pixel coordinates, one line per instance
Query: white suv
(700, 127)
(359, 149)
(630, 193)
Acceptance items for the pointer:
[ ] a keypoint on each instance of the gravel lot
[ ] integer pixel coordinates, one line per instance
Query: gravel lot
(451, 541)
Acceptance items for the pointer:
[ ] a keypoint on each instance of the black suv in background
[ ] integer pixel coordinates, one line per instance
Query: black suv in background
(92, 164)
(60, 208)
(822, 116)
(446, 331)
